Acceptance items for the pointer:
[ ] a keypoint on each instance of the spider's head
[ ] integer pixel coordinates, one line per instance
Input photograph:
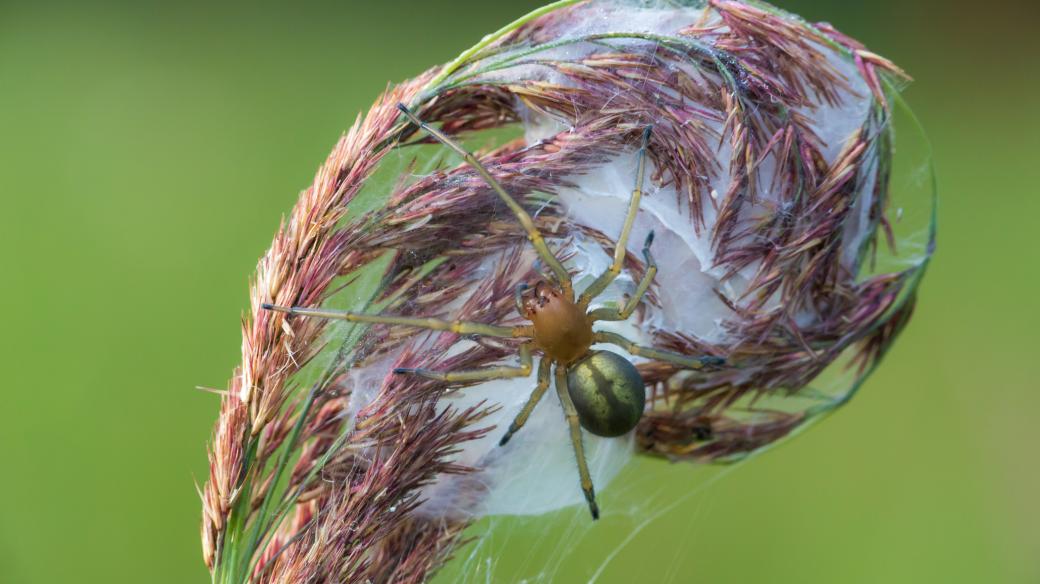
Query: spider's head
(561, 328)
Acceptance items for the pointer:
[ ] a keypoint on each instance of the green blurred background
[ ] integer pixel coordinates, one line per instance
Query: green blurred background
(148, 149)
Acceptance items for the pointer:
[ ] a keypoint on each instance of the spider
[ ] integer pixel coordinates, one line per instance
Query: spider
(600, 391)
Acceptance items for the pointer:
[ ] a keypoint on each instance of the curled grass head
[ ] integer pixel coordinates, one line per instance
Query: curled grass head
(324, 466)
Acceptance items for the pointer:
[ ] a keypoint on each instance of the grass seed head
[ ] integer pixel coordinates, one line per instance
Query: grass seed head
(770, 164)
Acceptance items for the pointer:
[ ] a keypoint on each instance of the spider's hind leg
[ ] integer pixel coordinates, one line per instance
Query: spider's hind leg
(657, 354)
(579, 447)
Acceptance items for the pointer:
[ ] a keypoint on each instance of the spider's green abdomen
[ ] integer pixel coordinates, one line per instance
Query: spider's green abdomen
(607, 392)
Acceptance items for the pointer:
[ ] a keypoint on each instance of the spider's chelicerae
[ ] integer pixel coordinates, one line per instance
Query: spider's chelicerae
(599, 390)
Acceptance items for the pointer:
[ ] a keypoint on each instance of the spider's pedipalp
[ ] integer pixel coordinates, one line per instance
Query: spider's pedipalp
(614, 314)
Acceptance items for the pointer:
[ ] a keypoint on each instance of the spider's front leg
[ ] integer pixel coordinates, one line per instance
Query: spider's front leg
(533, 235)
(482, 374)
(656, 354)
(461, 327)
(604, 280)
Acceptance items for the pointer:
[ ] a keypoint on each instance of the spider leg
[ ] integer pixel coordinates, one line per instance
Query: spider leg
(482, 374)
(604, 280)
(536, 396)
(656, 354)
(644, 285)
(522, 216)
(579, 448)
(462, 327)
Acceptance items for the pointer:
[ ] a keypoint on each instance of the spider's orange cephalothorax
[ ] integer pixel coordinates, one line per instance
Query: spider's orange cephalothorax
(561, 327)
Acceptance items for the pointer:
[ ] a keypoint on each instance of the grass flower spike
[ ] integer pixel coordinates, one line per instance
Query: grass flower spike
(709, 187)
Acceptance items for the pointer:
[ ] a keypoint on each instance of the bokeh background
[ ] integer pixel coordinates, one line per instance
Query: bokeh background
(148, 150)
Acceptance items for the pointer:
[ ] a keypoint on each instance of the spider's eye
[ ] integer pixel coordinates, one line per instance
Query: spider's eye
(607, 392)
